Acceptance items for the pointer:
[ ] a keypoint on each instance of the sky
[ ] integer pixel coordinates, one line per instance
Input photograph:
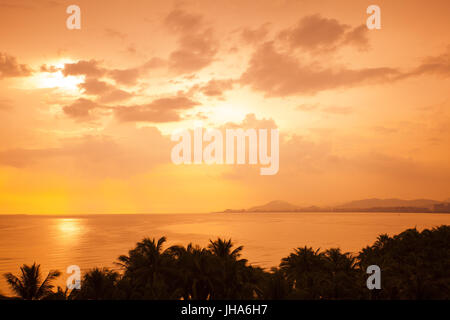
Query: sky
(87, 114)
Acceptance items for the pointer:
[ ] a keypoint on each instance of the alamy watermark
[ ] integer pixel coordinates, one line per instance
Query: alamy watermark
(73, 21)
(374, 280)
(74, 280)
(239, 146)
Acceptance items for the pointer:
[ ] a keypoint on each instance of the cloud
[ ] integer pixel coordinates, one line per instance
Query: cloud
(357, 37)
(81, 109)
(131, 76)
(325, 109)
(195, 52)
(251, 122)
(20, 158)
(160, 110)
(279, 74)
(27, 5)
(197, 46)
(125, 76)
(89, 68)
(97, 156)
(316, 33)
(50, 69)
(94, 86)
(437, 65)
(182, 22)
(9, 67)
(115, 95)
(107, 93)
(253, 36)
(215, 88)
(93, 69)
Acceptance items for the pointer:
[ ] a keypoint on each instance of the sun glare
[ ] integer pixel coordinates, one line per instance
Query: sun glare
(56, 79)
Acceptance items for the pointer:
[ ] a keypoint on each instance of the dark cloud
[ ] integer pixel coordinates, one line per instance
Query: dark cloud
(106, 92)
(93, 69)
(160, 110)
(125, 76)
(195, 52)
(50, 69)
(131, 76)
(280, 74)
(94, 86)
(437, 65)
(89, 68)
(9, 67)
(357, 37)
(115, 95)
(316, 33)
(253, 36)
(183, 22)
(81, 109)
(197, 46)
(215, 88)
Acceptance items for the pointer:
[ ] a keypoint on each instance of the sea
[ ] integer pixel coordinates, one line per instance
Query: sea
(57, 242)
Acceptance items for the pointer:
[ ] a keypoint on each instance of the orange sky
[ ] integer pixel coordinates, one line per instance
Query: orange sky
(86, 115)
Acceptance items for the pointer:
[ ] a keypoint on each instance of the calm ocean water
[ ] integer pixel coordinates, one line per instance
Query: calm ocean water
(97, 240)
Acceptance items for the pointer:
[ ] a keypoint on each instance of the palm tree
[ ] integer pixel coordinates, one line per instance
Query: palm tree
(149, 271)
(275, 286)
(29, 285)
(98, 284)
(234, 278)
(199, 268)
(305, 269)
(342, 275)
(223, 249)
(148, 253)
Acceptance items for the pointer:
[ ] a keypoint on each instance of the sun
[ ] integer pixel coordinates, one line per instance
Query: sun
(56, 79)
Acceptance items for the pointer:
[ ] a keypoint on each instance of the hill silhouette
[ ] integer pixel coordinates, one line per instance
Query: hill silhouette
(371, 205)
(383, 203)
(276, 205)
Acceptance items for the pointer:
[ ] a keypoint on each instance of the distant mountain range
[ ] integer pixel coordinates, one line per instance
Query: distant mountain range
(383, 203)
(366, 205)
(276, 205)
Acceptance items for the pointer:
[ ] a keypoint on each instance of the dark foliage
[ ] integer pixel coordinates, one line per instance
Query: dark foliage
(414, 265)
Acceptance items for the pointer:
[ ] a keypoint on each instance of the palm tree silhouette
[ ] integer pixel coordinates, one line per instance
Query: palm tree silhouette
(98, 284)
(149, 271)
(199, 269)
(29, 285)
(223, 248)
